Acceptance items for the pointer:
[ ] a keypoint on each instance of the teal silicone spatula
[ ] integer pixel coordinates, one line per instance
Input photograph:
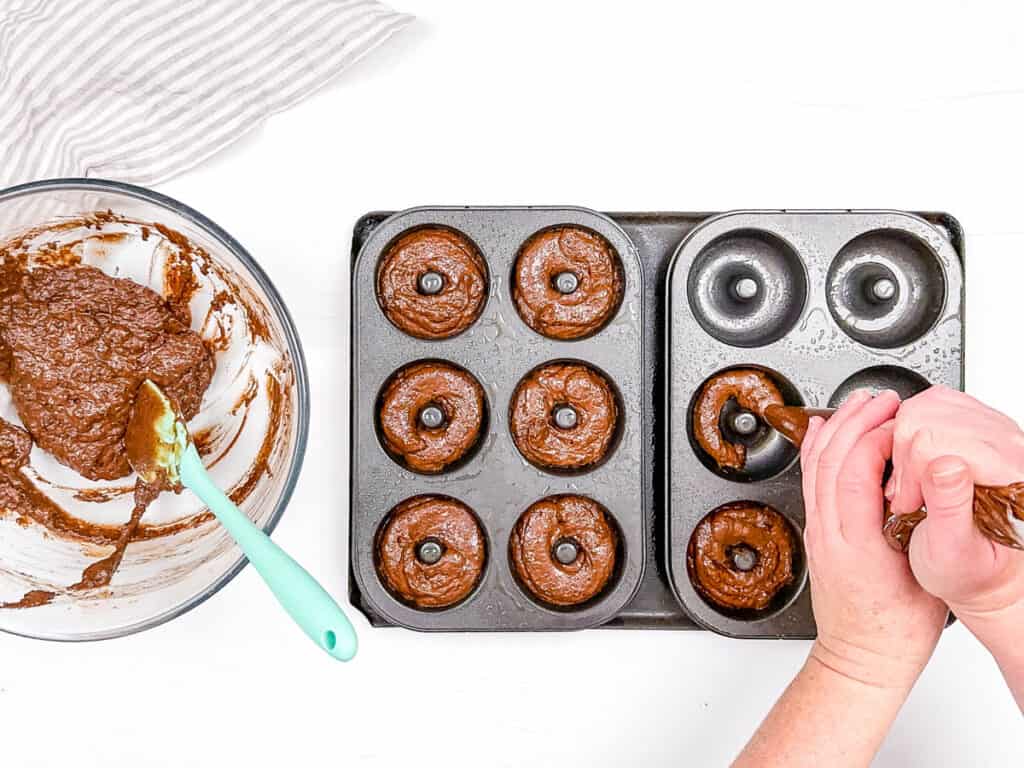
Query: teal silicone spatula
(161, 452)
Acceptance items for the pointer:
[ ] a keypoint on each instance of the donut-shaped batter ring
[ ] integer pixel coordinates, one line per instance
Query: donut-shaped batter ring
(540, 440)
(445, 522)
(710, 556)
(565, 518)
(419, 385)
(596, 268)
(751, 389)
(463, 292)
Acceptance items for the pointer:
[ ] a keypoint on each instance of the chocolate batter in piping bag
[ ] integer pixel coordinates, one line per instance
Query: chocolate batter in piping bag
(998, 509)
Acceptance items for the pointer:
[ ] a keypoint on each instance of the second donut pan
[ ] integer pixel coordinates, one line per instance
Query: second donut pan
(841, 300)
(662, 507)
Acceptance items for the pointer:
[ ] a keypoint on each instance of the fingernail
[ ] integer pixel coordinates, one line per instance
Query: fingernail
(948, 474)
(892, 490)
(858, 396)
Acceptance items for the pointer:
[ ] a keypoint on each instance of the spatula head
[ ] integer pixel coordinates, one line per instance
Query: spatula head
(156, 438)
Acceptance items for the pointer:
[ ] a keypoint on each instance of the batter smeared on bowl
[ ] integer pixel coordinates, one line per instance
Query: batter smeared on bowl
(77, 342)
(75, 345)
(568, 282)
(741, 555)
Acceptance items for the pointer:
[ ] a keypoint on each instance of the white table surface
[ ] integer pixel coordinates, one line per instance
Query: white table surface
(624, 106)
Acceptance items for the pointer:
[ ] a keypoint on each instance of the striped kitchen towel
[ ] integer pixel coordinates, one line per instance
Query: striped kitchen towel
(141, 90)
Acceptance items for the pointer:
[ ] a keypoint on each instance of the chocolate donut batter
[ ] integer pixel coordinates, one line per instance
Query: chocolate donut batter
(154, 462)
(751, 389)
(596, 271)
(463, 290)
(737, 533)
(75, 344)
(444, 522)
(791, 421)
(534, 430)
(572, 519)
(417, 386)
(995, 508)
(20, 497)
(17, 493)
(32, 599)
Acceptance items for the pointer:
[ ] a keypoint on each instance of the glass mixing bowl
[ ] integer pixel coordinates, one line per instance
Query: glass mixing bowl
(260, 372)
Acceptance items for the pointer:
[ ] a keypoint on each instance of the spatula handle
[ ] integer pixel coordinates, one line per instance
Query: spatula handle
(308, 603)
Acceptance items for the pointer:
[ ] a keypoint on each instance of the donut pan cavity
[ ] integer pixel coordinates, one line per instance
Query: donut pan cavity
(496, 482)
(850, 299)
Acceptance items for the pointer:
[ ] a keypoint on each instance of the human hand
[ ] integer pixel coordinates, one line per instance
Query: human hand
(945, 442)
(875, 622)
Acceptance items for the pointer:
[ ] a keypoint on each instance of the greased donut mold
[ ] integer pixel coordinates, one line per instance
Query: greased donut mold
(497, 481)
(567, 282)
(431, 415)
(752, 390)
(564, 416)
(741, 555)
(432, 282)
(431, 551)
(563, 550)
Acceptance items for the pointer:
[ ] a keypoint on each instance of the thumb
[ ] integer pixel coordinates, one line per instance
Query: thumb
(948, 491)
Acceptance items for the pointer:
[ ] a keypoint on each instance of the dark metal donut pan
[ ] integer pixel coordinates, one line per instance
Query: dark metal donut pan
(814, 355)
(840, 300)
(497, 483)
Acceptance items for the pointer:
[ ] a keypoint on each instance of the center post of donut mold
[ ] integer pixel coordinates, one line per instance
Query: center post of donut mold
(743, 558)
(745, 288)
(430, 283)
(744, 423)
(429, 551)
(565, 416)
(566, 551)
(566, 282)
(432, 417)
(881, 290)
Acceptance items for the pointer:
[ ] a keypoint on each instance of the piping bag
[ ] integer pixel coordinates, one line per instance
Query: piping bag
(998, 509)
